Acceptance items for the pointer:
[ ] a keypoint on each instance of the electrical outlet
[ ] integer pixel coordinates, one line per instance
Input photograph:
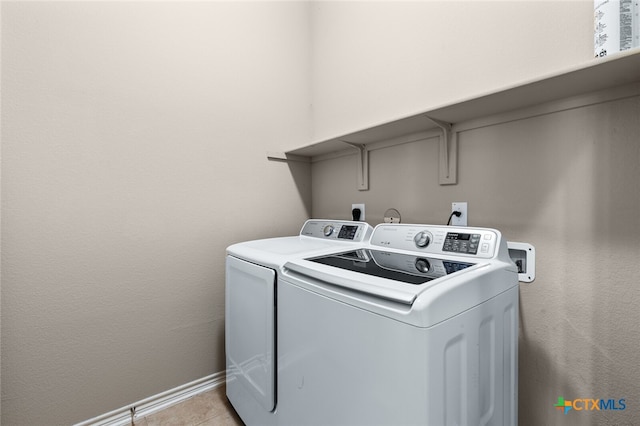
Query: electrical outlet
(361, 207)
(462, 208)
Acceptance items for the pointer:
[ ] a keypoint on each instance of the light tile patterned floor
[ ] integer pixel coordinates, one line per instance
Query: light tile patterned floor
(206, 409)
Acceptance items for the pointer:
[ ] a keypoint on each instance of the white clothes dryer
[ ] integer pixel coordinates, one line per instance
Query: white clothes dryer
(252, 271)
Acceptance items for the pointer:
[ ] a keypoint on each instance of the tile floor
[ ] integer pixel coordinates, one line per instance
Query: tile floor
(206, 409)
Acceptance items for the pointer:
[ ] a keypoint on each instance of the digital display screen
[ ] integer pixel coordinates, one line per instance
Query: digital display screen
(456, 236)
(348, 232)
(461, 243)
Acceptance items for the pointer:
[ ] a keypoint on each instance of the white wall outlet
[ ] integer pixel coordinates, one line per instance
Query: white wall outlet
(361, 207)
(462, 208)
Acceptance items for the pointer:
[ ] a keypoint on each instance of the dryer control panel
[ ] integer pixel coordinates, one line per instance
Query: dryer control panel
(336, 230)
(449, 240)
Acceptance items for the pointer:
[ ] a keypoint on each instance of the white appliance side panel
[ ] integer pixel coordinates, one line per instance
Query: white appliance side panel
(250, 332)
(509, 366)
(339, 364)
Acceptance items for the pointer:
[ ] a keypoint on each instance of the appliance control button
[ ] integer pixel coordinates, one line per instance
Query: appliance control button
(422, 239)
(328, 230)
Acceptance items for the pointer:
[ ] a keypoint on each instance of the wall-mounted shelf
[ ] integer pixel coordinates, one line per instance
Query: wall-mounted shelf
(594, 75)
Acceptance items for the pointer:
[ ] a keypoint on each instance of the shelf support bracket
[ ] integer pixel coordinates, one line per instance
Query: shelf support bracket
(448, 153)
(363, 165)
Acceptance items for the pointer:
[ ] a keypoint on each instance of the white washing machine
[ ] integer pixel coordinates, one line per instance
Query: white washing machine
(419, 326)
(252, 272)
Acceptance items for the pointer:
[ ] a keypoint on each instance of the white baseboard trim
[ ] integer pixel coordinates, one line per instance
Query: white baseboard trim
(153, 404)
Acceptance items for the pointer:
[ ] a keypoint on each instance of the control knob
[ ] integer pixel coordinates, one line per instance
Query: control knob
(422, 239)
(328, 230)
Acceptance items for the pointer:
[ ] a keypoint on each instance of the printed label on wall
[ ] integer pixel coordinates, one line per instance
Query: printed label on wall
(616, 26)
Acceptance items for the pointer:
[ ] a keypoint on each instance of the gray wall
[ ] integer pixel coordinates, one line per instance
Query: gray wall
(134, 138)
(374, 61)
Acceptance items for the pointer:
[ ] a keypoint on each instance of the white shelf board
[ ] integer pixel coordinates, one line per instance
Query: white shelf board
(597, 74)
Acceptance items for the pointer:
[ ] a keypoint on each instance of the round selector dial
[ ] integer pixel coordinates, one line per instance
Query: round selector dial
(422, 239)
(423, 265)
(328, 230)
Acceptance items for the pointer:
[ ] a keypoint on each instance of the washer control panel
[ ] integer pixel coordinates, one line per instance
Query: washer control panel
(461, 241)
(337, 230)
